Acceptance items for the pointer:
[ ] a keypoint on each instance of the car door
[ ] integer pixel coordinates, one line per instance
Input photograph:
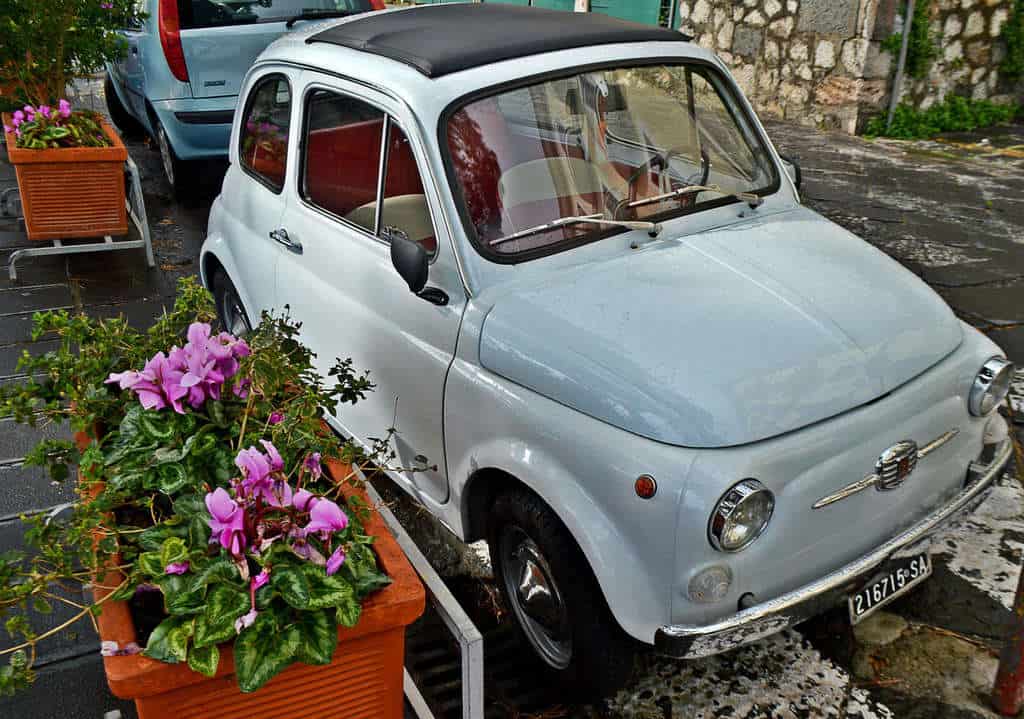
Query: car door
(361, 176)
(253, 197)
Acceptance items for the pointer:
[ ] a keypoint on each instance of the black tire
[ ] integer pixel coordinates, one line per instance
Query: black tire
(230, 310)
(180, 174)
(601, 656)
(123, 120)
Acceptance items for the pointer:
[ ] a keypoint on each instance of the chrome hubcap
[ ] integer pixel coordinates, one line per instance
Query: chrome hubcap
(165, 154)
(536, 600)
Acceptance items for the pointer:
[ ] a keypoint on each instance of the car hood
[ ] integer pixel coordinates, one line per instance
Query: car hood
(722, 338)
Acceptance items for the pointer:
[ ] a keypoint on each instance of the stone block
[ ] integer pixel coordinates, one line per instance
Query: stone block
(825, 54)
(878, 63)
(999, 18)
(975, 24)
(953, 27)
(837, 17)
(755, 19)
(783, 27)
(979, 52)
(747, 41)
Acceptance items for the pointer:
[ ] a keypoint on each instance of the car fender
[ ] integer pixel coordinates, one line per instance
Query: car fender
(628, 542)
(217, 249)
(122, 97)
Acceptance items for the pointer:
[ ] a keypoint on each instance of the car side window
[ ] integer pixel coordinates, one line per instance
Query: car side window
(404, 206)
(341, 167)
(263, 149)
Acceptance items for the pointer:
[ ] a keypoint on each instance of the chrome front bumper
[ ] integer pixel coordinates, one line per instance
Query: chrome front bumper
(690, 641)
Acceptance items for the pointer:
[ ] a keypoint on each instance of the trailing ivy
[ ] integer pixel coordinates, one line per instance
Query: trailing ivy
(1013, 35)
(954, 114)
(921, 50)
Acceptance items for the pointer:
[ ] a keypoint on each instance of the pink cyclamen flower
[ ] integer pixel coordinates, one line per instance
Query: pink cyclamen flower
(260, 580)
(30, 112)
(107, 5)
(312, 464)
(245, 621)
(326, 516)
(113, 649)
(335, 561)
(276, 463)
(44, 110)
(275, 418)
(176, 568)
(227, 521)
(64, 108)
(19, 116)
(8, 129)
(304, 500)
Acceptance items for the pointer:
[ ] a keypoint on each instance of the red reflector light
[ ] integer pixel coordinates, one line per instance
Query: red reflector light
(170, 39)
(645, 486)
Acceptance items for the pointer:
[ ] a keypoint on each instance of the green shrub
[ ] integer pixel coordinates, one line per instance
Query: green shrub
(951, 115)
(1013, 35)
(921, 50)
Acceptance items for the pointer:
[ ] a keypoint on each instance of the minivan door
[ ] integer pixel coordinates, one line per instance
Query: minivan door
(221, 40)
(361, 177)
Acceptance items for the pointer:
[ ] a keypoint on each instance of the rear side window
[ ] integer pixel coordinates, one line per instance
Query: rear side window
(193, 14)
(342, 156)
(263, 150)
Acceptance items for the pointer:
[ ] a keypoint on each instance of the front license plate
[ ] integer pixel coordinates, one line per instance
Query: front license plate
(897, 580)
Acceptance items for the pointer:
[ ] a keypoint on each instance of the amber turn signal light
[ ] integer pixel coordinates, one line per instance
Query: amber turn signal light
(645, 486)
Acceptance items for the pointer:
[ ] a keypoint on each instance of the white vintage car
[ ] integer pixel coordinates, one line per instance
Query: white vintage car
(683, 409)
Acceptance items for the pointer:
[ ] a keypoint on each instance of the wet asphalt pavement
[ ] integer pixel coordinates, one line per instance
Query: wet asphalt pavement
(952, 211)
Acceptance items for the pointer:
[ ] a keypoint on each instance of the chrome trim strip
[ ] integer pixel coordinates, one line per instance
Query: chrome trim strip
(873, 479)
(692, 641)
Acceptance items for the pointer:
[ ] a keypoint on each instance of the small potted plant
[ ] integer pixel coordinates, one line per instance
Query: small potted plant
(69, 162)
(234, 560)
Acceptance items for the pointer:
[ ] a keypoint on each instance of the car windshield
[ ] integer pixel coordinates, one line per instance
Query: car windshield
(195, 14)
(625, 143)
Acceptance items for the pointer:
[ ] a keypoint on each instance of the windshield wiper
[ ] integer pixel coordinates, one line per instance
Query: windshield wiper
(653, 229)
(750, 198)
(317, 15)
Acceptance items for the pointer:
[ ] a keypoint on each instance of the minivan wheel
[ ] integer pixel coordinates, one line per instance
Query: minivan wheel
(555, 598)
(229, 305)
(123, 119)
(177, 172)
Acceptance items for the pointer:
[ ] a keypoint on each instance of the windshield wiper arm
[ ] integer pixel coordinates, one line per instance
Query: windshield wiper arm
(652, 228)
(317, 15)
(750, 198)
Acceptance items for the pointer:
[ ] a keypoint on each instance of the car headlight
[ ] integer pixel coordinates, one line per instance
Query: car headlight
(990, 386)
(740, 516)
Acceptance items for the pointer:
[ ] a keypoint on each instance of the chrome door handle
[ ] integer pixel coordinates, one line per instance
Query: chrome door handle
(280, 236)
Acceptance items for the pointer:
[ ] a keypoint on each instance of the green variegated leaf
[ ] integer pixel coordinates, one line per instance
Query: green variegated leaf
(204, 659)
(181, 595)
(152, 540)
(318, 637)
(151, 564)
(173, 550)
(293, 585)
(173, 478)
(224, 602)
(190, 505)
(326, 591)
(348, 612)
(219, 570)
(169, 641)
(262, 652)
(208, 632)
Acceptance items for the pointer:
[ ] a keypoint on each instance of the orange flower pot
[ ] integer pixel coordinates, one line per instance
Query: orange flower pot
(71, 192)
(364, 680)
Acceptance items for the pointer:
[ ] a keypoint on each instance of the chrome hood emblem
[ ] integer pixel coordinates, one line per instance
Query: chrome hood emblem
(892, 469)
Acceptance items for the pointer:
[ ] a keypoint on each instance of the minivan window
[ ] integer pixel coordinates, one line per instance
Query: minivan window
(193, 14)
(263, 148)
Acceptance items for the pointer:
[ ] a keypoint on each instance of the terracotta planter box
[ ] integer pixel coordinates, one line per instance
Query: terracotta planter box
(364, 680)
(71, 192)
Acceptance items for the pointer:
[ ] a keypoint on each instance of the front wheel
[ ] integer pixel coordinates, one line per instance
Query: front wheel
(555, 598)
(179, 173)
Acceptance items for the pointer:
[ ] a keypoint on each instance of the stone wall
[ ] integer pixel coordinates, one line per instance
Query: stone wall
(820, 62)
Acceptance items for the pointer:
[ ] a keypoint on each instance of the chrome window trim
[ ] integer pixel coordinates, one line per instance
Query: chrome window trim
(430, 174)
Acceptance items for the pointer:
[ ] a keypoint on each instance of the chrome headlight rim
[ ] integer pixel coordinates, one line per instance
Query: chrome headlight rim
(980, 401)
(728, 505)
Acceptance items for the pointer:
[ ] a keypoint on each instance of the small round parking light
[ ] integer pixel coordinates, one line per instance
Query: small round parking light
(645, 486)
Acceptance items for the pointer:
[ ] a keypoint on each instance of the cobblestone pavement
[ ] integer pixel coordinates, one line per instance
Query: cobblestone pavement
(951, 211)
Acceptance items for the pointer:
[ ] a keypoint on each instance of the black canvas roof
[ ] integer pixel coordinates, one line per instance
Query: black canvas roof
(443, 39)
